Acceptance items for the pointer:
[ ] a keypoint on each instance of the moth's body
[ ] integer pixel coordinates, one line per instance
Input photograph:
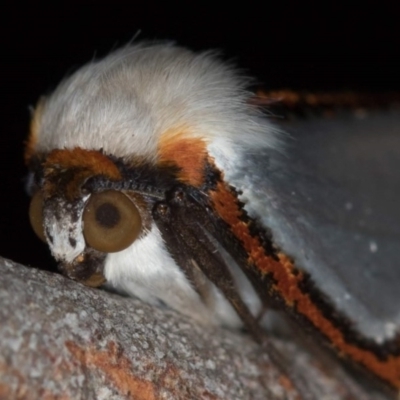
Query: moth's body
(115, 105)
(179, 135)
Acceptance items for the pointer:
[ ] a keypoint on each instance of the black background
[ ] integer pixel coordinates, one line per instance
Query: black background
(284, 45)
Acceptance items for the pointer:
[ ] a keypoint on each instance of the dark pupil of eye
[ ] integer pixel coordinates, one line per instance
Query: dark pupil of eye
(107, 215)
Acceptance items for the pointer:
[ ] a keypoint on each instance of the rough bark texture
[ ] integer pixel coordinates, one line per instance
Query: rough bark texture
(61, 340)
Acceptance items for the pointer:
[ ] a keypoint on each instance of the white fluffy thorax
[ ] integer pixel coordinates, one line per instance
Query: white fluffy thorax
(124, 103)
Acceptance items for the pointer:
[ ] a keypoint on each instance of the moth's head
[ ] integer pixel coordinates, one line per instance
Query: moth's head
(79, 208)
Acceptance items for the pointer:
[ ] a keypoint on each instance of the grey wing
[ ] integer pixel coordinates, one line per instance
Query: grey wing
(331, 202)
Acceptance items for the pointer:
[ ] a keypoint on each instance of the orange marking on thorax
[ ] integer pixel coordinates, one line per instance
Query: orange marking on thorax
(287, 286)
(92, 160)
(189, 154)
(82, 164)
(343, 99)
(30, 144)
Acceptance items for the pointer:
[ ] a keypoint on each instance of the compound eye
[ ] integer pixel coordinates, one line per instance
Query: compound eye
(36, 215)
(111, 222)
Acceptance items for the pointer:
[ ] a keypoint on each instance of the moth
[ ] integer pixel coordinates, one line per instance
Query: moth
(154, 171)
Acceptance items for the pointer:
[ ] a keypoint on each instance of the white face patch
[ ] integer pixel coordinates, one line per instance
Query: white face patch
(63, 229)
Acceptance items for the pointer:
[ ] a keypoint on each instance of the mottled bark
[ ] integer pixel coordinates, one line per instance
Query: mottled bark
(61, 340)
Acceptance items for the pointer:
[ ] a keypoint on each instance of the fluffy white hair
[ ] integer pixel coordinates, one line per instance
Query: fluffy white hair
(125, 102)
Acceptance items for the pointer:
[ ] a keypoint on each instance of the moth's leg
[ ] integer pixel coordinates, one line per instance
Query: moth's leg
(186, 239)
(183, 224)
(186, 226)
(181, 254)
